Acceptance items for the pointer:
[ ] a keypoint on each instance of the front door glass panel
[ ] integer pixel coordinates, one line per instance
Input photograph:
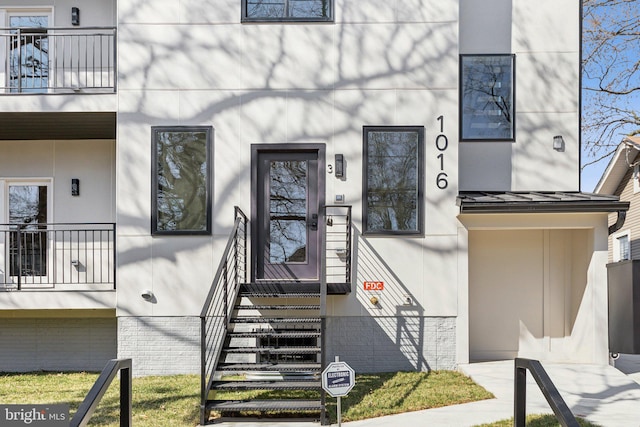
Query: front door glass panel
(288, 211)
(288, 190)
(28, 243)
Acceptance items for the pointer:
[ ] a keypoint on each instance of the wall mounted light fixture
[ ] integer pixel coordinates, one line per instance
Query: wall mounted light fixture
(558, 143)
(75, 187)
(75, 16)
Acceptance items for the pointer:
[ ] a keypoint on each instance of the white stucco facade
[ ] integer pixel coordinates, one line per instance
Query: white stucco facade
(468, 287)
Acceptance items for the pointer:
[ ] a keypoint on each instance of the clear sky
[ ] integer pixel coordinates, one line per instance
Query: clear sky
(591, 175)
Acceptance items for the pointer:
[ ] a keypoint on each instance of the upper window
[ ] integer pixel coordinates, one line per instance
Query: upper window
(181, 188)
(487, 97)
(393, 173)
(28, 55)
(287, 10)
(622, 246)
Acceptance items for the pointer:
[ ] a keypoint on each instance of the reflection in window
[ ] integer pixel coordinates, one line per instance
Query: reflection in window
(288, 211)
(287, 10)
(28, 247)
(393, 174)
(487, 97)
(28, 54)
(624, 249)
(182, 180)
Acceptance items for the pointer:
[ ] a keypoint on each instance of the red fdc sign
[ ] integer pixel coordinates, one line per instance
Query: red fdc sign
(374, 286)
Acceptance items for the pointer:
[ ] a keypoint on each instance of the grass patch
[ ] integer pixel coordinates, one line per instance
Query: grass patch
(157, 401)
(397, 392)
(173, 401)
(538, 421)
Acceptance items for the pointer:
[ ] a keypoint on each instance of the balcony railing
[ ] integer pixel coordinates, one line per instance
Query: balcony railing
(42, 256)
(58, 60)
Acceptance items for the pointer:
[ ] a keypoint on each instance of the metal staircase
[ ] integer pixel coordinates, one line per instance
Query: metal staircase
(274, 344)
(262, 342)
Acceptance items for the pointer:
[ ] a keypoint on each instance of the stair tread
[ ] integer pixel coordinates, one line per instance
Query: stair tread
(281, 286)
(264, 405)
(275, 320)
(266, 385)
(277, 307)
(275, 333)
(273, 350)
(265, 294)
(269, 367)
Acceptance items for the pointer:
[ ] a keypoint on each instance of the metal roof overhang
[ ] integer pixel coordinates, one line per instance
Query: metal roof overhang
(482, 202)
(57, 125)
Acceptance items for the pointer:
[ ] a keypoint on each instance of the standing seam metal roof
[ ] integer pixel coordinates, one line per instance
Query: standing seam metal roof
(537, 202)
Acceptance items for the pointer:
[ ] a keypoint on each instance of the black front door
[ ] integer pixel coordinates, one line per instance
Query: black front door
(288, 190)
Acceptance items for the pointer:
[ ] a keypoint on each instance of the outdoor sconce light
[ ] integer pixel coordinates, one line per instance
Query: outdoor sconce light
(339, 166)
(147, 295)
(558, 143)
(75, 187)
(75, 16)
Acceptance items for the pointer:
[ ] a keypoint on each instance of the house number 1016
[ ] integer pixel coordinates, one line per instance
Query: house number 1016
(442, 143)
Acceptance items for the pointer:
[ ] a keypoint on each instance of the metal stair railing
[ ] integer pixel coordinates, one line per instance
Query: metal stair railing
(93, 398)
(215, 315)
(549, 390)
(338, 243)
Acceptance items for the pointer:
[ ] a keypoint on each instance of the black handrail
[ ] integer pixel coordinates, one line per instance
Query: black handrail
(214, 318)
(549, 390)
(91, 401)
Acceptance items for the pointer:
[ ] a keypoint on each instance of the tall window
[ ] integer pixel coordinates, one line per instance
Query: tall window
(393, 175)
(487, 97)
(28, 51)
(181, 193)
(287, 10)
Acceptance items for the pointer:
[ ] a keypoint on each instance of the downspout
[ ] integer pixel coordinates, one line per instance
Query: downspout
(622, 215)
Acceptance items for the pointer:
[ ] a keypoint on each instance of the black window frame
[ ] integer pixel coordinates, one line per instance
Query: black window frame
(208, 130)
(245, 18)
(462, 98)
(419, 231)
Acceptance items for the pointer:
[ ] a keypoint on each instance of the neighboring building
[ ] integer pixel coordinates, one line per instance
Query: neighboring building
(466, 211)
(621, 179)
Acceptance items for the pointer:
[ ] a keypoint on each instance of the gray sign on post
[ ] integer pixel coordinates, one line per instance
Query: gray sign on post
(338, 379)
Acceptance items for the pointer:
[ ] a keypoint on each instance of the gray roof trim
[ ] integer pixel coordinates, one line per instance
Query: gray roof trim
(537, 202)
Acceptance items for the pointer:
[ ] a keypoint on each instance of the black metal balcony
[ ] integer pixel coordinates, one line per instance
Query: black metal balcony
(59, 60)
(43, 256)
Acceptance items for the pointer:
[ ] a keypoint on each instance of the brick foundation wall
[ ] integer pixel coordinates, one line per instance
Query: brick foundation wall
(56, 344)
(160, 345)
(388, 344)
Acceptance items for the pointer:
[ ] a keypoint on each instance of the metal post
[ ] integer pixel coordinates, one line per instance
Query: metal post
(125, 397)
(19, 43)
(520, 397)
(226, 295)
(339, 403)
(19, 237)
(323, 307)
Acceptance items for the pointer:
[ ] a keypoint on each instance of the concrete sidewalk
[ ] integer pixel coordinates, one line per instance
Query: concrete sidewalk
(602, 394)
